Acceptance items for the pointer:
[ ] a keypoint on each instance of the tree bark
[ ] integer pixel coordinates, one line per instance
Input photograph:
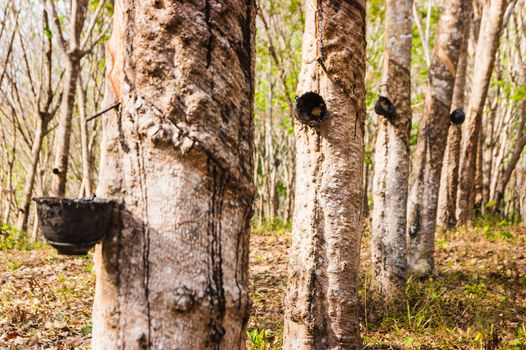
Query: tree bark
(432, 137)
(72, 55)
(517, 151)
(172, 272)
(391, 158)
(23, 212)
(321, 305)
(484, 60)
(479, 178)
(86, 186)
(447, 195)
(63, 135)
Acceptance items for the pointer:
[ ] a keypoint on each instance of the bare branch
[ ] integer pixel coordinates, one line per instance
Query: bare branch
(92, 24)
(55, 23)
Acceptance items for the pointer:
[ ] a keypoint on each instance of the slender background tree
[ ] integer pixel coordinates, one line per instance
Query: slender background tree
(432, 140)
(391, 158)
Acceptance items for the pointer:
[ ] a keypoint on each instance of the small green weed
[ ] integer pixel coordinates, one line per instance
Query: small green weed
(260, 340)
(11, 238)
(261, 225)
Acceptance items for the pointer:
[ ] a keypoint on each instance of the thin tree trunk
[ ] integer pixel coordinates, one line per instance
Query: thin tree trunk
(504, 132)
(177, 159)
(366, 175)
(72, 54)
(34, 232)
(519, 147)
(521, 181)
(479, 178)
(63, 134)
(84, 139)
(321, 305)
(40, 132)
(270, 160)
(484, 60)
(447, 195)
(391, 158)
(432, 140)
(10, 164)
(489, 146)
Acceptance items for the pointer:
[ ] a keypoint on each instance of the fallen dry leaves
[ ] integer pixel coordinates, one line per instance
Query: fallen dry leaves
(477, 295)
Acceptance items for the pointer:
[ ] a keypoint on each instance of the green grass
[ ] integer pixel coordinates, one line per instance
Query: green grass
(476, 299)
(276, 225)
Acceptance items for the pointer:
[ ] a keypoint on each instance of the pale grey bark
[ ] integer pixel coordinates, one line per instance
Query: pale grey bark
(23, 211)
(172, 272)
(86, 185)
(391, 158)
(520, 143)
(487, 46)
(447, 195)
(432, 139)
(321, 305)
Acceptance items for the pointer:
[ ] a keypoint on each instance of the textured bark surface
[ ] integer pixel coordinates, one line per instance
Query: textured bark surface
(515, 157)
(487, 46)
(177, 159)
(447, 197)
(391, 158)
(432, 139)
(321, 306)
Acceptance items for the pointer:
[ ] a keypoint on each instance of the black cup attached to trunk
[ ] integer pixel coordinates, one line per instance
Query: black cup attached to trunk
(73, 226)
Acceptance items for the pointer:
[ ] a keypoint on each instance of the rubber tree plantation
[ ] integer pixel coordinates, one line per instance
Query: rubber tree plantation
(262, 175)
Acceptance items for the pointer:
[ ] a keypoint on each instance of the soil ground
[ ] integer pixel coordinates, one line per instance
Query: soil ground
(476, 300)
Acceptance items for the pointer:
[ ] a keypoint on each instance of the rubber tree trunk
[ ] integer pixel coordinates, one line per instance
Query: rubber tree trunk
(86, 186)
(432, 138)
(72, 56)
(321, 305)
(391, 158)
(515, 157)
(40, 132)
(487, 46)
(447, 197)
(172, 272)
(63, 136)
(479, 178)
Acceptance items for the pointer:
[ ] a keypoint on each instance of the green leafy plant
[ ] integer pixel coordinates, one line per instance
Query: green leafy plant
(11, 238)
(260, 340)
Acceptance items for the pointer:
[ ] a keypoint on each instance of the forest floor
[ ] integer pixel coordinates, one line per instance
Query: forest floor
(476, 300)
